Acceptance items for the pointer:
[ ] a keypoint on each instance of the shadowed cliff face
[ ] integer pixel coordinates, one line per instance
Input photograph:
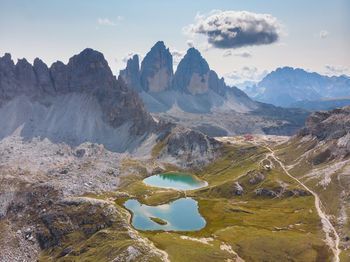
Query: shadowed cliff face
(157, 69)
(77, 102)
(131, 74)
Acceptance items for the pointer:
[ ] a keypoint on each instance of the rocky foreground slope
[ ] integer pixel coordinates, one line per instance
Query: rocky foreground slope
(319, 156)
(69, 130)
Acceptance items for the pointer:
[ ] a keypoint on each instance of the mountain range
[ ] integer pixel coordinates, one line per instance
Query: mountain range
(288, 86)
(193, 88)
(194, 96)
(82, 101)
(76, 143)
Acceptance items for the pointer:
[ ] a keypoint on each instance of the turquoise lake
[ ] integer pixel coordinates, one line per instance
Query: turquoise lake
(181, 215)
(175, 181)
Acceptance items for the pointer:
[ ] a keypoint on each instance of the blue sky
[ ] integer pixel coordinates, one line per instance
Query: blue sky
(315, 34)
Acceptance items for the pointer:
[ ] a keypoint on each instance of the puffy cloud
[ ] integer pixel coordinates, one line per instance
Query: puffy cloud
(128, 56)
(245, 54)
(227, 53)
(106, 21)
(190, 43)
(177, 56)
(335, 69)
(324, 34)
(245, 74)
(234, 29)
(204, 47)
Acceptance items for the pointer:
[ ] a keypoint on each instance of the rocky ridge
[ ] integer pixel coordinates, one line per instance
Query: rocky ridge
(319, 156)
(195, 97)
(327, 125)
(75, 103)
(194, 87)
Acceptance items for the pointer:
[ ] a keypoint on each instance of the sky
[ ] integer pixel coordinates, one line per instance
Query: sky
(241, 40)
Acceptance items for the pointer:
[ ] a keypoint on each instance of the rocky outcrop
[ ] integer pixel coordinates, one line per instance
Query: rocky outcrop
(188, 148)
(131, 74)
(332, 129)
(157, 69)
(327, 125)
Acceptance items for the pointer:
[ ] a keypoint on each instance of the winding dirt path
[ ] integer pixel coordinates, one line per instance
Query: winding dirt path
(328, 228)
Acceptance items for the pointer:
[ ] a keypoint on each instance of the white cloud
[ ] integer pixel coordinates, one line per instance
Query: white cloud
(232, 29)
(106, 21)
(177, 56)
(244, 74)
(190, 43)
(244, 54)
(227, 53)
(130, 55)
(336, 69)
(324, 34)
(204, 47)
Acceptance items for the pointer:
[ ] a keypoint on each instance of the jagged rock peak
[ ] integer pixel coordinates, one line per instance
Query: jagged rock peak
(192, 74)
(6, 59)
(90, 56)
(194, 59)
(43, 76)
(131, 74)
(134, 62)
(89, 70)
(157, 69)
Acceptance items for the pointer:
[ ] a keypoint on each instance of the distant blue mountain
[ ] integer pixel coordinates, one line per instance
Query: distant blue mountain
(286, 86)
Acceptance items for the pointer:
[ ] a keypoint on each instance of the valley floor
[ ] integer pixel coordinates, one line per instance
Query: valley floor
(255, 206)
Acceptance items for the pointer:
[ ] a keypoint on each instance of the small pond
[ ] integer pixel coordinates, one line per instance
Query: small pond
(179, 215)
(175, 181)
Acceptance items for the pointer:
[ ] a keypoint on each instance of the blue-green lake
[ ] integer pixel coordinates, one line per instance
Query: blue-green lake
(175, 181)
(180, 215)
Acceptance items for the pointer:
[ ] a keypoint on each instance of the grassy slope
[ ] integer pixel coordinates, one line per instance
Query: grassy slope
(258, 228)
(301, 161)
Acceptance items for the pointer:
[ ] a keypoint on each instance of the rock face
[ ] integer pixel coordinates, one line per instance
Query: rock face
(327, 125)
(332, 129)
(287, 85)
(131, 74)
(192, 74)
(181, 141)
(157, 69)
